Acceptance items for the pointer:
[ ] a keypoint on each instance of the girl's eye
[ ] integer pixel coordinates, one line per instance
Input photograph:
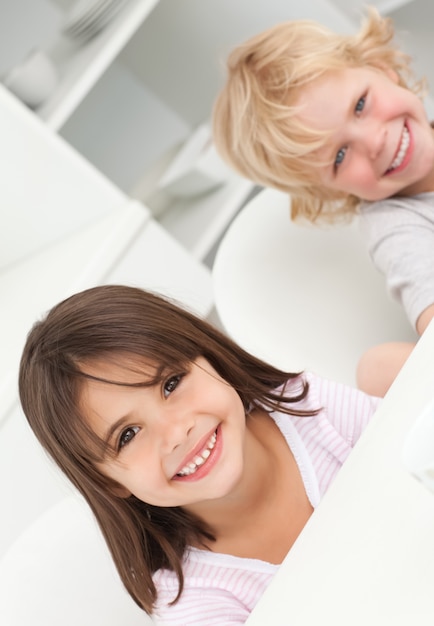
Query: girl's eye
(171, 384)
(340, 157)
(127, 435)
(360, 104)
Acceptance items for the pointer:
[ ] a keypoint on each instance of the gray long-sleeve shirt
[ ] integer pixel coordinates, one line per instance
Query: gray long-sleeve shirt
(400, 237)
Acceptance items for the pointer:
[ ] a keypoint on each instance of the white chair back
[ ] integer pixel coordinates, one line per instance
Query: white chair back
(59, 573)
(301, 296)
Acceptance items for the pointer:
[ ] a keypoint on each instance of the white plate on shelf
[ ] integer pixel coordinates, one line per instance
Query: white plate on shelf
(80, 12)
(86, 21)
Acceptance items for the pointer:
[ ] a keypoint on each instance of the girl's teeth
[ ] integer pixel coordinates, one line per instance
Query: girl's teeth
(199, 459)
(405, 141)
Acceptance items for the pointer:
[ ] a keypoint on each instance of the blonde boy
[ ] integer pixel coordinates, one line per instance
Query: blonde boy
(337, 122)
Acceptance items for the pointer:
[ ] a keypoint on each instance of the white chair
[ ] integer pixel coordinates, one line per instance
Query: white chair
(59, 573)
(301, 296)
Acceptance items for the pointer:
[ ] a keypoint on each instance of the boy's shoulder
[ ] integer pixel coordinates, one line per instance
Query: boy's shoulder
(397, 209)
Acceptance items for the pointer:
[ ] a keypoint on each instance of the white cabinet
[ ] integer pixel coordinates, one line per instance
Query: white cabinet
(119, 124)
(81, 66)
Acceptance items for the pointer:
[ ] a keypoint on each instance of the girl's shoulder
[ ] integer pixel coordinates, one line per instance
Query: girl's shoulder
(340, 407)
(218, 588)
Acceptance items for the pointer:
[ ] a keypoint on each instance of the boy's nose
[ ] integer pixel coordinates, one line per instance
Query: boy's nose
(374, 140)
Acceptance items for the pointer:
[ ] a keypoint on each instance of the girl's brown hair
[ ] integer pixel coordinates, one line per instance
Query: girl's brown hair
(105, 322)
(255, 119)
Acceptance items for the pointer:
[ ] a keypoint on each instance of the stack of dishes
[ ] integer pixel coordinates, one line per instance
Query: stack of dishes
(88, 17)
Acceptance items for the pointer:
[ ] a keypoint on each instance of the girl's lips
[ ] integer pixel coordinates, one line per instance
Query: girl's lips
(213, 443)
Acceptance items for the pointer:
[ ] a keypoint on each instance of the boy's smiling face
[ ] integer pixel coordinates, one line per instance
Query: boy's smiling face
(381, 143)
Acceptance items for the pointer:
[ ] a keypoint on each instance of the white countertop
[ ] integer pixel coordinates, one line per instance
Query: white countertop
(366, 555)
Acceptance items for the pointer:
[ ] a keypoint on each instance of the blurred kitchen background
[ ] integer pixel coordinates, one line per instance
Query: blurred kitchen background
(108, 169)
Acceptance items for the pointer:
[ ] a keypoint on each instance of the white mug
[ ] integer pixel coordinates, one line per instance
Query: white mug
(33, 80)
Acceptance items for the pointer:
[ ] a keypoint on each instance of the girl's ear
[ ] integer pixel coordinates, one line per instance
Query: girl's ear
(119, 491)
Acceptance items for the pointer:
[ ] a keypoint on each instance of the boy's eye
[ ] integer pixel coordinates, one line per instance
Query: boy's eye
(127, 435)
(171, 384)
(360, 104)
(340, 157)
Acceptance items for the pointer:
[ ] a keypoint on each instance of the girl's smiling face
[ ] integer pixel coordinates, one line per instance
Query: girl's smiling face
(176, 443)
(380, 144)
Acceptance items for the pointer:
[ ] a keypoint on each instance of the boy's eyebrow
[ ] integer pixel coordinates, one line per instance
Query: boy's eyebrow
(352, 106)
(360, 92)
(328, 156)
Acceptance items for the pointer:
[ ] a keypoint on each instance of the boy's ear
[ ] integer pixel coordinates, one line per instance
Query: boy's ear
(392, 75)
(390, 72)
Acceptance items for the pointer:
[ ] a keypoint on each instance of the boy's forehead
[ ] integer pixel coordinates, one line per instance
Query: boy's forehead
(324, 101)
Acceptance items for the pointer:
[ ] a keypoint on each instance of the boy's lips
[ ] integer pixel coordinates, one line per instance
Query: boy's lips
(400, 160)
(198, 456)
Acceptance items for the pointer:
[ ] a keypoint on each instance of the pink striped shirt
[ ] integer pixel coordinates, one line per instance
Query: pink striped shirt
(221, 589)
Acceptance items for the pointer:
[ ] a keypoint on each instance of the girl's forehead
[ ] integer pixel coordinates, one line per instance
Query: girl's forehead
(122, 368)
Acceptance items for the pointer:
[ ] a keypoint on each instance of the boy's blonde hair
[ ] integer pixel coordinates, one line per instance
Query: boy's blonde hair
(255, 123)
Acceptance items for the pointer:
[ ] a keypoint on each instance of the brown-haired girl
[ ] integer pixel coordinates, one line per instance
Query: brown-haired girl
(201, 463)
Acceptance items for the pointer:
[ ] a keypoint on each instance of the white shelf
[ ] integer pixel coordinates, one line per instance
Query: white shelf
(81, 67)
(199, 223)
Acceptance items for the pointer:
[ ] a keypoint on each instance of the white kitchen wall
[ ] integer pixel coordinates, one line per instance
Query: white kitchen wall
(19, 36)
(179, 50)
(164, 82)
(414, 23)
(126, 134)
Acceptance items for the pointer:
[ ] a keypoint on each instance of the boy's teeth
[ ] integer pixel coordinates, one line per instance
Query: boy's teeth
(405, 141)
(199, 459)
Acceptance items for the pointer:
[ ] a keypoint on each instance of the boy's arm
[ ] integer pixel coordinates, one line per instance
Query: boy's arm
(424, 319)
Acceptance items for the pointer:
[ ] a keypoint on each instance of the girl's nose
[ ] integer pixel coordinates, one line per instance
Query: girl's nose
(173, 430)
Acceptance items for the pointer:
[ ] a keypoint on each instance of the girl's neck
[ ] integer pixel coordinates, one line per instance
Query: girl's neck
(270, 507)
